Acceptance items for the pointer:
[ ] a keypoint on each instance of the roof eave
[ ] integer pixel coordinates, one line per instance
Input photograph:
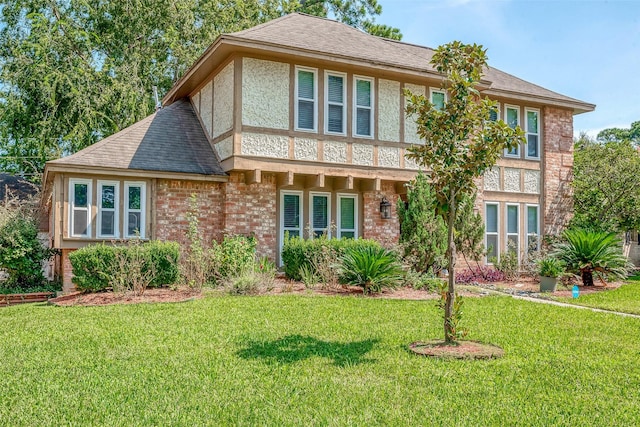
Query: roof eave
(52, 168)
(578, 107)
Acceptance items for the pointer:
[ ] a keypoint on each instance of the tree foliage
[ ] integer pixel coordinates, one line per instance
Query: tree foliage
(460, 142)
(423, 232)
(73, 72)
(605, 182)
(631, 135)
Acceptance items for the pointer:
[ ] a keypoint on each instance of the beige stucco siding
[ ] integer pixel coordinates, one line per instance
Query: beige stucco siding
(276, 146)
(389, 110)
(265, 93)
(410, 127)
(223, 101)
(206, 106)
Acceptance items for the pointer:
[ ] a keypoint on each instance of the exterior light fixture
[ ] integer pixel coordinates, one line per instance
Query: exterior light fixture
(385, 209)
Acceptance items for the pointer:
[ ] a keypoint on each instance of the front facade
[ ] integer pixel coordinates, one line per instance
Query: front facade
(297, 126)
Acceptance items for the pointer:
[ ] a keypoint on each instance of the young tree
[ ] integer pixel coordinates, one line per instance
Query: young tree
(460, 142)
(605, 185)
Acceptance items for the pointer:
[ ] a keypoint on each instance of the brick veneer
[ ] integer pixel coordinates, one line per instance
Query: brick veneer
(173, 203)
(251, 209)
(65, 273)
(386, 231)
(558, 169)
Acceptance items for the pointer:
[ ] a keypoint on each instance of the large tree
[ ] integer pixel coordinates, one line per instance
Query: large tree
(460, 142)
(631, 135)
(606, 176)
(73, 72)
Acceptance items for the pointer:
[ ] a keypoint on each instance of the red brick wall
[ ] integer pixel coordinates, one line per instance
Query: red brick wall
(65, 271)
(386, 231)
(251, 208)
(558, 169)
(173, 203)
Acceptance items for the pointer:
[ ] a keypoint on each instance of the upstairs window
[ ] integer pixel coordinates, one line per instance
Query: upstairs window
(494, 114)
(347, 215)
(134, 209)
(306, 95)
(320, 212)
(80, 208)
(512, 118)
(108, 208)
(335, 111)
(363, 111)
(533, 134)
(438, 98)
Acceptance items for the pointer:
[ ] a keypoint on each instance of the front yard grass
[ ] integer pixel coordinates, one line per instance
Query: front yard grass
(625, 299)
(296, 360)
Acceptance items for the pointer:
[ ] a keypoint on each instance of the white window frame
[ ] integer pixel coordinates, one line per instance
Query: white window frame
(340, 229)
(537, 233)
(73, 208)
(356, 106)
(115, 209)
(142, 210)
(312, 230)
(300, 218)
(519, 123)
(433, 90)
(527, 133)
(492, 233)
(315, 99)
(327, 102)
(498, 111)
(507, 234)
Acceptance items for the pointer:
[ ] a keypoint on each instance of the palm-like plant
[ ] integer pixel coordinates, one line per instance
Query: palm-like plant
(371, 268)
(586, 252)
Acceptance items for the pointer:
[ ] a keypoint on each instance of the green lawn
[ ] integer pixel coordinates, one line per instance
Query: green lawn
(625, 299)
(295, 360)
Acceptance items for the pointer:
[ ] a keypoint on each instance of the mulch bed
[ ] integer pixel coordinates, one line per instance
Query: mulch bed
(459, 350)
(106, 298)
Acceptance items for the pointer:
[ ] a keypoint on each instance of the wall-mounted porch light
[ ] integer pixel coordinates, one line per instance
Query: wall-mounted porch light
(385, 209)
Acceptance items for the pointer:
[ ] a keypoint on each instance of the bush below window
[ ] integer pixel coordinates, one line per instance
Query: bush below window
(94, 266)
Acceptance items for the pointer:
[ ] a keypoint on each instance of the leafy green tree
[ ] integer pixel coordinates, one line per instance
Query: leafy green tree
(605, 185)
(460, 142)
(73, 72)
(587, 252)
(631, 135)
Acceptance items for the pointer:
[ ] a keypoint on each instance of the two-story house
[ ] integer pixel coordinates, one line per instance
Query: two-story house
(298, 126)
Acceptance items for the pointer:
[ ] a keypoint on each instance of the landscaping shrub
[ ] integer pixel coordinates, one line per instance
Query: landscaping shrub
(21, 253)
(230, 258)
(480, 274)
(587, 252)
(97, 267)
(253, 279)
(371, 268)
(314, 254)
(422, 281)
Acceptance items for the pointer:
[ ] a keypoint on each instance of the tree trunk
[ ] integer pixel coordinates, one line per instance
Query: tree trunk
(587, 277)
(449, 335)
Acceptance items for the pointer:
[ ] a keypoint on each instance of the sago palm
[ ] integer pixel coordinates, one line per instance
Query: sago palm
(586, 252)
(371, 268)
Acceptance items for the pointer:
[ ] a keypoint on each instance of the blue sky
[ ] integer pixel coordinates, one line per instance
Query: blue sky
(589, 50)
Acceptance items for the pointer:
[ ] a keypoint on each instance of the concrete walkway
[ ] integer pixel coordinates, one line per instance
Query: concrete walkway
(564, 304)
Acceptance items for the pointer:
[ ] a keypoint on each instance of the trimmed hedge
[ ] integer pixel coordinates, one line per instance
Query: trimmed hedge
(93, 264)
(297, 252)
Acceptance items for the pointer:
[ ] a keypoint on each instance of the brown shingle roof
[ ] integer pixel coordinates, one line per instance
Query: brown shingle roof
(305, 34)
(170, 140)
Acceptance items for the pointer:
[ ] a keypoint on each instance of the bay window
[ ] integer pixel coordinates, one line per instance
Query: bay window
(80, 208)
(108, 208)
